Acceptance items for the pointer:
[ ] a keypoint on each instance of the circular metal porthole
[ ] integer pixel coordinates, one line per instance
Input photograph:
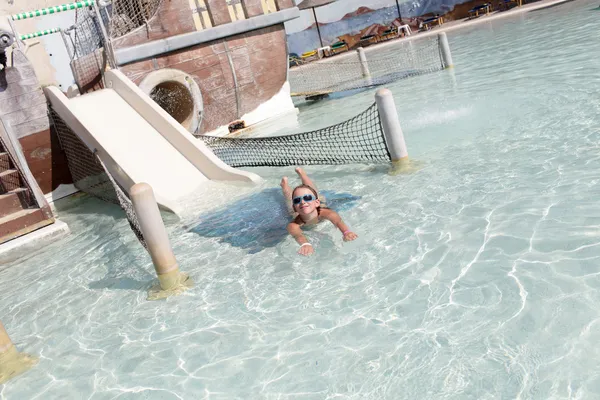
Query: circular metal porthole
(178, 94)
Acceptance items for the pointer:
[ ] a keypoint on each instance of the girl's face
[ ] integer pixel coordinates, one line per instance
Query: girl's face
(304, 201)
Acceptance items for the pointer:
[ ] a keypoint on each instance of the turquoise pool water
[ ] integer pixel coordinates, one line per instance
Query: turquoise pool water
(477, 277)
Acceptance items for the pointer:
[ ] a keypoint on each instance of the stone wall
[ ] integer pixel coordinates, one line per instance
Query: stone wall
(257, 60)
(235, 75)
(172, 18)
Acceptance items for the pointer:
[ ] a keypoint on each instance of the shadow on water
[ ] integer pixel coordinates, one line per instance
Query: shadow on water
(304, 104)
(133, 274)
(99, 231)
(259, 221)
(120, 282)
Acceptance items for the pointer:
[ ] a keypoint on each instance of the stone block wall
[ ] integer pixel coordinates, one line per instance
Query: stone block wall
(235, 75)
(257, 60)
(172, 18)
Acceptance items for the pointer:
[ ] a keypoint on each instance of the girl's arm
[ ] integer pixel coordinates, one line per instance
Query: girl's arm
(306, 248)
(337, 221)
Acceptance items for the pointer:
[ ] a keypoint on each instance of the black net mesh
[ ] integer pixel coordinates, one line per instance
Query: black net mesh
(90, 174)
(359, 140)
(86, 49)
(330, 75)
(355, 141)
(129, 15)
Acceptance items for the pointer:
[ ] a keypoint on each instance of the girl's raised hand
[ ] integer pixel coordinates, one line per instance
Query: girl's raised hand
(306, 250)
(349, 236)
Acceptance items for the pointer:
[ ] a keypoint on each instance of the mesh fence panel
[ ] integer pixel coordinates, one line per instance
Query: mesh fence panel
(411, 59)
(90, 174)
(355, 141)
(128, 15)
(86, 49)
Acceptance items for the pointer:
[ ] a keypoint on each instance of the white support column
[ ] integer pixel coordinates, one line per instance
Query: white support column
(388, 115)
(171, 281)
(445, 50)
(364, 66)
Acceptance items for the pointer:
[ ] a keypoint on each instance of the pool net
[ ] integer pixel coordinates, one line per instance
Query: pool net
(354, 141)
(90, 174)
(359, 140)
(412, 58)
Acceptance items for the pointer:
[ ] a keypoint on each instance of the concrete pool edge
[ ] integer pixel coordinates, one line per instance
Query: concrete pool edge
(17, 248)
(459, 24)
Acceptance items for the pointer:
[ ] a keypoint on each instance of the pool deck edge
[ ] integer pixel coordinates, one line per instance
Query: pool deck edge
(30, 243)
(455, 25)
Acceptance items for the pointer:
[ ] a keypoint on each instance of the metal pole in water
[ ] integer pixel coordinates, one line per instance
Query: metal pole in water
(445, 50)
(171, 281)
(388, 115)
(12, 363)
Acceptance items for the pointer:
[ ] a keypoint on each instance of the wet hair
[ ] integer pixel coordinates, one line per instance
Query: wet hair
(303, 186)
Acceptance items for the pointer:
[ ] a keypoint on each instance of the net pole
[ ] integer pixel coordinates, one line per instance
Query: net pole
(106, 39)
(390, 123)
(364, 65)
(63, 35)
(52, 10)
(171, 281)
(12, 363)
(445, 50)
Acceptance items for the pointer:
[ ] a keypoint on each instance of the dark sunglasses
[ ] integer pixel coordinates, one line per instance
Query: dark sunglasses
(307, 198)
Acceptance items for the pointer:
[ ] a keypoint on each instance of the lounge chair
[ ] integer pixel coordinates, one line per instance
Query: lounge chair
(389, 34)
(508, 3)
(309, 55)
(439, 20)
(474, 12)
(294, 60)
(367, 40)
(339, 47)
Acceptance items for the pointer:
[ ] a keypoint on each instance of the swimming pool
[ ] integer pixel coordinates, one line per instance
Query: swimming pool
(474, 278)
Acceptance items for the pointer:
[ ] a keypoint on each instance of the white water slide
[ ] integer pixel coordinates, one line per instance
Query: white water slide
(140, 142)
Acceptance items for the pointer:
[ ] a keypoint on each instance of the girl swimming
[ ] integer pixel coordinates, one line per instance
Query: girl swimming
(304, 203)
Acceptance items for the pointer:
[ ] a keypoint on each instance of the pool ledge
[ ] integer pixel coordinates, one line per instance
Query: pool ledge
(27, 244)
(460, 24)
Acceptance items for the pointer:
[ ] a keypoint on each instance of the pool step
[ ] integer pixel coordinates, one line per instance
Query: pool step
(20, 212)
(21, 222)
(14, 201)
